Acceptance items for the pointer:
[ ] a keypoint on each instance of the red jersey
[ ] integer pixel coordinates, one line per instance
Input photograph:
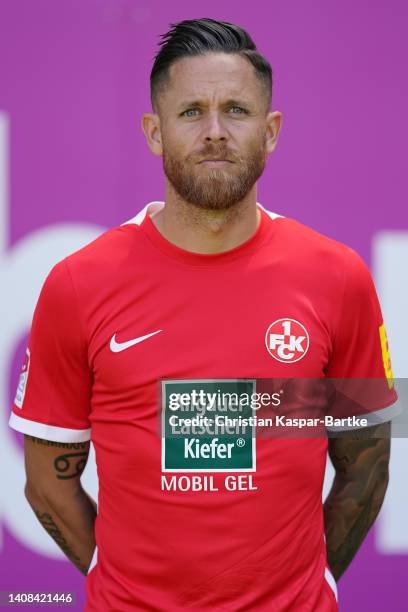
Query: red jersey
(128, 329)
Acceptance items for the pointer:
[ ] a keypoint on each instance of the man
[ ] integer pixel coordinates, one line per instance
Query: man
(205, 295)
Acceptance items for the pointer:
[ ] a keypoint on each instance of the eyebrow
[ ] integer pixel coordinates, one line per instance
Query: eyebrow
(229, 102)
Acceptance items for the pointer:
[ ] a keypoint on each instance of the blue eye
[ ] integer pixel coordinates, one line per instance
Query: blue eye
(190, 112)
(239, 108)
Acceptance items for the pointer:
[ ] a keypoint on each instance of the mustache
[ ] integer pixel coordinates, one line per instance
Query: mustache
(212, 152)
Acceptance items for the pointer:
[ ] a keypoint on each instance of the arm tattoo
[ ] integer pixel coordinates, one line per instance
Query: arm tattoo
(67, 465)
(67, 445)
(70, 465)
(361, 464)
(49, 525)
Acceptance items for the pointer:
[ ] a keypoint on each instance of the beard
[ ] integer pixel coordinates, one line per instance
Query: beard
(214, 188)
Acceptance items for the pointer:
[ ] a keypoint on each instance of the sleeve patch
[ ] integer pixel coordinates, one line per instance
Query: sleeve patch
(386, 356)
(22, 381)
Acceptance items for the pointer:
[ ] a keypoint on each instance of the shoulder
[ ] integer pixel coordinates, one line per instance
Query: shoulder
(109, 254)
(312, 247)
(109, 249)
(94, 264)
(115, 249)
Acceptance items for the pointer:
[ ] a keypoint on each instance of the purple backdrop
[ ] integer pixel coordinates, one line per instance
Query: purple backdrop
(74, 82)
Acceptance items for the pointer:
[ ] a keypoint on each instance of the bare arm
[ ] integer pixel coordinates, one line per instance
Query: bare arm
(55, 494)
(361, 464)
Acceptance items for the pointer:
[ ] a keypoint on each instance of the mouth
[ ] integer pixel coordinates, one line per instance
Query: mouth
(215, 162)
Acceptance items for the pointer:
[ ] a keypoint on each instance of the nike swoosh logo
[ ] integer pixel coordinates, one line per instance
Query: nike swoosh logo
(117, 347)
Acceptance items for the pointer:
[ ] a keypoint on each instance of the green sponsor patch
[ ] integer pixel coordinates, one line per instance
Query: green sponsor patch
(202, 427)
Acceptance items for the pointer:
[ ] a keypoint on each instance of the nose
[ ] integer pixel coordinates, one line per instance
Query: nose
(214, 130)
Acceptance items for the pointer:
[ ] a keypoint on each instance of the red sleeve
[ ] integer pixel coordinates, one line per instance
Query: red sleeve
(360, 358)
(53, 393)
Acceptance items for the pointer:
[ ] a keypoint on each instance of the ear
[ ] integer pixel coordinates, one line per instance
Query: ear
(273, 126)
(151, 128)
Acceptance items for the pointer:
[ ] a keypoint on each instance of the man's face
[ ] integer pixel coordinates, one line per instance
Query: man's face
(213, 128)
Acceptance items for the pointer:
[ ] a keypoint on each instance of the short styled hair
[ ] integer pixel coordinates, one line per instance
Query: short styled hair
(194, 37)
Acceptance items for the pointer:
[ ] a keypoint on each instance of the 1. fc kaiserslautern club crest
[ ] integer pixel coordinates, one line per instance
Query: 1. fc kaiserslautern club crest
(287, 340)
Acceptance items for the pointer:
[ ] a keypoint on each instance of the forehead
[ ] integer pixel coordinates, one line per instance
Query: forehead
(215, 75)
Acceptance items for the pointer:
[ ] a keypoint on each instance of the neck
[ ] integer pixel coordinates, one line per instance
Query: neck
(206, 231)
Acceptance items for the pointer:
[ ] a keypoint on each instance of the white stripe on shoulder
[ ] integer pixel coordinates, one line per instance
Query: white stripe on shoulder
(94, 560)
(151, 207)
(331, 581)
(48, 432)
(272, 215)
